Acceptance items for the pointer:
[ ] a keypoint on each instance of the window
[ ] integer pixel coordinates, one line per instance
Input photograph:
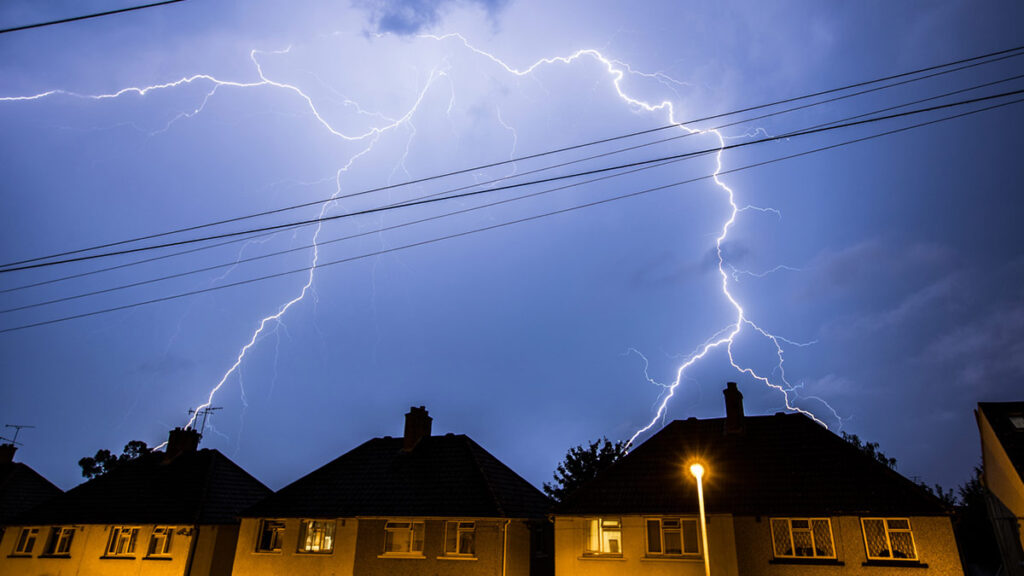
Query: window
(271, 532)
(1017, 421)
(59, 543)
(160, 541)
(122, 540)
(316, 536)
(26, 541)
(459, 538)
(889, 539)
(802, 538)
(672, 536)
(403, 538)
(604, 536)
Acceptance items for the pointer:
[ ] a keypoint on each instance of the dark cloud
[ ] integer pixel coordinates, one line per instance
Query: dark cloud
(412, 16)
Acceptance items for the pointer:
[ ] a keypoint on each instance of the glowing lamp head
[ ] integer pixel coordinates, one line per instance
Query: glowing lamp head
(697, 470)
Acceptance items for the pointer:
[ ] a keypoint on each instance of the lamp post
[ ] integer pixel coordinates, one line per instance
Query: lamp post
(698, 472)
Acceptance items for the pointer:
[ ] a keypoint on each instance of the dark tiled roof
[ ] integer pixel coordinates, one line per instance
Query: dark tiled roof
(201, 487)
(21, 488)
(998, 415)
(783, 464)
(442, 476)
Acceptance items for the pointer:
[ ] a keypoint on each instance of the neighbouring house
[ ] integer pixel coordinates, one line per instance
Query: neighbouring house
(1001, 426)
(418, 504)
(165, 513)
(21, 488)
(782, 496)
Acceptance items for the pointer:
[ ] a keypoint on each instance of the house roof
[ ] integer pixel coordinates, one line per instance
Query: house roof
(448, 475)
(778, 465)
(1011, 437)
(21, 488)
(197, 487)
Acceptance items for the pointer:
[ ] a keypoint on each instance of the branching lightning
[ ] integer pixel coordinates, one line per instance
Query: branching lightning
(724, 339)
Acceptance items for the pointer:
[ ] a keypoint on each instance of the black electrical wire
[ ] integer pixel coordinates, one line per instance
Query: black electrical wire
(88, 16)
(1006, 53)
(510, 223)
(509, 186)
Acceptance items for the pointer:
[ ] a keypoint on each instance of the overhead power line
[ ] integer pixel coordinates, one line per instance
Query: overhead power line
(978, 60)
(309, 222)
(322, 243)
(88, 16)
(512, 222)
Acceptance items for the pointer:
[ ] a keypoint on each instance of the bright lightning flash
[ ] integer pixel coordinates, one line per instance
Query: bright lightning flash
(723, 339)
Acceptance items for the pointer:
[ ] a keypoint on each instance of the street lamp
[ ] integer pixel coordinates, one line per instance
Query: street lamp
(698, 472)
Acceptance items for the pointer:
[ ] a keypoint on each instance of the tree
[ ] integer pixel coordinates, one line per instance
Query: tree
(871, 449)
(582, 464)
(104, 461)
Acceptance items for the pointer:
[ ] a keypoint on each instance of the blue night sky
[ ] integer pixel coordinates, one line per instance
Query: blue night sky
(891, 271)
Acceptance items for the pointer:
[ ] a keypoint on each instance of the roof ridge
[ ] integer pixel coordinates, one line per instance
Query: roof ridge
(470, 444)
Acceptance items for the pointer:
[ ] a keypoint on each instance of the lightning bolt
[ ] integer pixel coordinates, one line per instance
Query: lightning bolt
(617, 71)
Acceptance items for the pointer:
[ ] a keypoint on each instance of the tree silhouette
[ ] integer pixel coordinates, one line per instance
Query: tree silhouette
(582, 464)
(104, 461)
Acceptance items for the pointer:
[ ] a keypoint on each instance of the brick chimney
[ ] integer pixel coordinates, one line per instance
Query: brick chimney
(733, 409)
(417, 427)
(7, 453)
(181, 441)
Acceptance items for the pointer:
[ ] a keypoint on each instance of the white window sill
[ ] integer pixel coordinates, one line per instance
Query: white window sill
(472, 558)
(403, 556)
(602, 557)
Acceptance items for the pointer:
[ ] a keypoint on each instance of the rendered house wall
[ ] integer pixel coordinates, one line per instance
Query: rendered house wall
(288, 561)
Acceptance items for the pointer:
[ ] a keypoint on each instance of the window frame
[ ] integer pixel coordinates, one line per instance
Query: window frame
(58, 543)
(326, 530)
(810, 529)
(26, 541)
(909, 530)
(601, 539)
(661, 537)
(461, 527)
(160, 533)
(276, 528)
(396, 526)
(115, 539)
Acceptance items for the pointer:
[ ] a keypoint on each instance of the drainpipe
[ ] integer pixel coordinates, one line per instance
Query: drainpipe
(191, 550)
(504, 547)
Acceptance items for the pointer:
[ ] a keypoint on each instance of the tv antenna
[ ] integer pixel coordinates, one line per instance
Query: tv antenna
(17, 430)
(204, 412)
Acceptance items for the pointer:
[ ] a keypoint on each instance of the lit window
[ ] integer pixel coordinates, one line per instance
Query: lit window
(122, 540)
(316, 536)
(160, 541)
(403, 538)
(459, 538)
(604, 536)
(26, 541)
(271, 532)
(1017, 421)
(889, 539)
(802, 538)
(59, 543)
(672, 536)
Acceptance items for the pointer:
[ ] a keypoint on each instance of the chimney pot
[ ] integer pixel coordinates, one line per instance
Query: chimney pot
(7, 453)
(182, 441)
(417, 427)
(733, 409)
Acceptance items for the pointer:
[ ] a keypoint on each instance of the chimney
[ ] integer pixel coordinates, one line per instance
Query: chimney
(733, 409)
(417, 426)
(7, 453)
(181, 441)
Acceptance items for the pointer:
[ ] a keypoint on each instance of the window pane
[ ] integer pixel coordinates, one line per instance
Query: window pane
(653, 537)
(780, 537)
(450, 537)
(593, 536)
(902, 545)
(673, 542)
(899, 524)
(611, 539)
(466, 543)
(822, 538)
(874, 536)
(690, 537)
(802, 543)
(417, 537)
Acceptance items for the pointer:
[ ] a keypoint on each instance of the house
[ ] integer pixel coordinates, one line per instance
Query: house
(172, 512)
(21, 488)
(1001, 426)
(782, 496)
(418, 504)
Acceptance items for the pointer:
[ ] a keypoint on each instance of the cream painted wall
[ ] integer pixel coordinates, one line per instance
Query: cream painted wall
(288, 561)
(1001, 477)
(86, 558)
(570, 534)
